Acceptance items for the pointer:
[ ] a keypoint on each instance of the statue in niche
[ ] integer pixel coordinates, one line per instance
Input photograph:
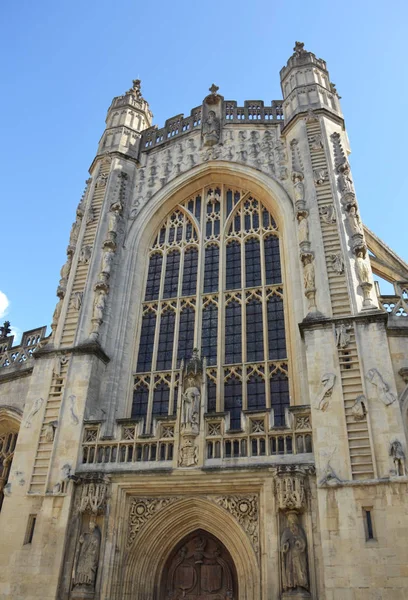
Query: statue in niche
(115, 212)
(293, 556)
(190, 416)
(308, 272)
(211, 129)
(362, 270)
(342, 335)
(303, 227)
(99, 305)
(398, 457)
(356, 227)
(107, 260)
(87, 559)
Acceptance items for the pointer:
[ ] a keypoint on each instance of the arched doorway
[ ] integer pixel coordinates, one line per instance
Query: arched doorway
(199, 568)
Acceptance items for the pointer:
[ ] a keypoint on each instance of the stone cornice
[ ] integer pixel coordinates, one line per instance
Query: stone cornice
(90, 347)
(22, 370)
(113, 153)
(376, 316)
(317, 111)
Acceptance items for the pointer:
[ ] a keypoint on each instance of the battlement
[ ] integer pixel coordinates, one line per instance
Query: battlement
(20, 354)
(253, 111)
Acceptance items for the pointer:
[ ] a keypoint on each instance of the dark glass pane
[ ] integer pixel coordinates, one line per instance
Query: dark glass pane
(165, 351)
(279, 396)
(190, 272)
(233, 266)
(186, 334)
(208, 229)
(272, 260)
(229, 202)
(211, 395)
(154, 277)
(209, 334)
(254, 331)
(233, 401)
(256, 392)
(144, 360)
(211, 268)
(253, 263)
(198, 208)
(276, 328)
(172, 274)
(140, 401)
(161, 396)
(233, 333)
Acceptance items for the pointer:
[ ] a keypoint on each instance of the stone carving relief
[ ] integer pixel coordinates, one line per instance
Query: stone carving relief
(337, 263)
(328, 214)
(37, 404)
(59, 363)
(293, 546)
(98, 309)
(342, 335)
(50, 429)
(290, 490)
(398, 458)
(358, 410)
(364, 278)
(281, 158)
(245, 510)
(316, 142)
(303, 230)
(65, 270)
(329, 476)
(192, 382)
(61, 486)
(141, 511)
(320, 176)
(382, 387)
(85, 254)
(101, 180)
(73, 409)
(74, 234)
(76, 301)
(93, 494)
(325, 392)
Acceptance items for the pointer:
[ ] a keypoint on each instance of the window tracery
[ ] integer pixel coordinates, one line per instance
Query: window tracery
(214, 281)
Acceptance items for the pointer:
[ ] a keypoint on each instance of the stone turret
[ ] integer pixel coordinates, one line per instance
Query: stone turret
(127, 117)
(306, 85)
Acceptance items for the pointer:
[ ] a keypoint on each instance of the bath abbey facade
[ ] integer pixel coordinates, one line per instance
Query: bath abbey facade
(220, 410)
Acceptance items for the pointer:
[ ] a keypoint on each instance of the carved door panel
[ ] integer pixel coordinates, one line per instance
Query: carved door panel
(200, 568)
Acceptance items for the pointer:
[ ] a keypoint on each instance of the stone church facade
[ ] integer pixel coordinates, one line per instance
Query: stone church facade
(220, 411)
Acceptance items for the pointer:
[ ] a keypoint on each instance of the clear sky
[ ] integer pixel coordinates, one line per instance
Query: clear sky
(63, 62)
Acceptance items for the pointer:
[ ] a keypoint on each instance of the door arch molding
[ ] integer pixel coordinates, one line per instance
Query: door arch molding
(158, 538)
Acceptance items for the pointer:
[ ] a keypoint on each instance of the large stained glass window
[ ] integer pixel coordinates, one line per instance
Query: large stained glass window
(214, 281)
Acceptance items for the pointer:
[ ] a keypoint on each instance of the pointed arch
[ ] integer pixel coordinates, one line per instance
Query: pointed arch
(155, 542)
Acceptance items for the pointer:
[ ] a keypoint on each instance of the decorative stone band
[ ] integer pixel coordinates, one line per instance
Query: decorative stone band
(93, 493)
(291, 487)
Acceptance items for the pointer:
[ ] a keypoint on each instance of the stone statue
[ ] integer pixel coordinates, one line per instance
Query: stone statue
(57, 314)
(191, 405)
(298, 186)
(398, 456)
(328, 214)
(354, 221)
(337, 262)
(303, 227)
(344, 179)
(309, 274)
(362, 270)
(87, 559)
(211, 129)
(342, 335)
(107, 259)
(65, 270)
(293, 556)
(73, 237)
(85, 254)
(99, 305)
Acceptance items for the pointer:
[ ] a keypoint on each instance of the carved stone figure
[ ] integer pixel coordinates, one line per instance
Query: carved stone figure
(308, 272)
(50, 431)
(290, 491)
(356, 227)
(364, 277)
(328, 214)
(329, 476)
(322, 400)
(337, 262)
(65, 270)
(303, 228)
(85, 254)
(77, 300)
(57, 312)
(342, 335)
(99, 304)
(90, 216)
(344, 179)
(383, 389)
(107, 260)
(316, 142)
(191, 405)
(299, 188)
(37, 404)
(358, 410)
(87, 559)
(398, 456)
(73, 237)
(211, 129)
(59, 362)
(320, 175)
(101, 180)
(293, 556)
(73, 409)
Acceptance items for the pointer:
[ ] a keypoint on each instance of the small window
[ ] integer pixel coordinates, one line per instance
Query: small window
(30, 529)
(368, 523)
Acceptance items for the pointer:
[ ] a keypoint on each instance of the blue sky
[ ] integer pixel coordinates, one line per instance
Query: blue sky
(64, 61)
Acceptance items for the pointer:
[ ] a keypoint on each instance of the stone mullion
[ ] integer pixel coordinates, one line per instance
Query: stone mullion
(221, 304)
(264, 310)
(200, 277)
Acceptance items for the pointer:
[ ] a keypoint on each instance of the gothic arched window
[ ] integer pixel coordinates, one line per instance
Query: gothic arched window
(214, 281)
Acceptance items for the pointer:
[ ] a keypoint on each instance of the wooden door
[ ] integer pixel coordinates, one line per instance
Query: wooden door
(199, 568)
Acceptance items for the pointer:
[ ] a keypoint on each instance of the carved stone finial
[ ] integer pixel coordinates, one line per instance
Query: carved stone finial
(290, 490)
(299, 49)
(5, 330)
(135, 90)
(213, 89)
(195, 365)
